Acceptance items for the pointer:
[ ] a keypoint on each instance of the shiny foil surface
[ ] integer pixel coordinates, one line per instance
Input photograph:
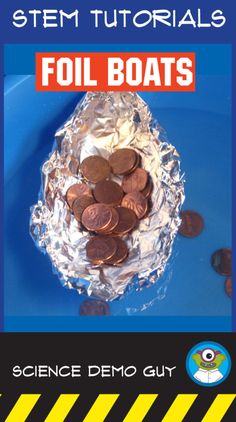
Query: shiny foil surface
(101, 123)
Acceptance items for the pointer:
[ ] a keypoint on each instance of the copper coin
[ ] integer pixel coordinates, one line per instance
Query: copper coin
(221, 261)
(80, 204)
(101, 248)
(113, 223)
(136, 202)
(76, 191)
(74, 165)
(108, 192)
(120, 254)
(127, 221)
(135, 181)
(137, 164)
(148, 189)
(122, 160)
(95, 168)
(97, 217)
(94, 308)
(228, 286)
(191, 225)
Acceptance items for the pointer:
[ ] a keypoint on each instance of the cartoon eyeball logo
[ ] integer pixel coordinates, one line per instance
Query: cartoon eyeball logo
(208, 363)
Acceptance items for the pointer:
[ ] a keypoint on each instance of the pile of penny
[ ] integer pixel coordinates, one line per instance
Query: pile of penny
(107, 209)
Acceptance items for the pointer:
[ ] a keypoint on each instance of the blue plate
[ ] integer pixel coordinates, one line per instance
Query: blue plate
(198, 124)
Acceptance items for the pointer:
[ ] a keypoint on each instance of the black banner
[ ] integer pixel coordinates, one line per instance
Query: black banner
(116, 376)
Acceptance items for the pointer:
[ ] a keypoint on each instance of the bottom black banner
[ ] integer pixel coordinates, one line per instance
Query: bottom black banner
(115, 377)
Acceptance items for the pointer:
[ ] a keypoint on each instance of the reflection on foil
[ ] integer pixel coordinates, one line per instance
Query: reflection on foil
(160, 294)
(157, 294)
(101, 123)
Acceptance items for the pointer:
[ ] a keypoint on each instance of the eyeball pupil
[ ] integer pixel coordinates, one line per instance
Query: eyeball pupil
(209, 355)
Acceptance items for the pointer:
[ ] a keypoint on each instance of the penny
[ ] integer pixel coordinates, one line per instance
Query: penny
(221, 261)
(94, 308)
(191, 223)
(120, 254)
(148, 189)
(135, 181)
(101, 248)
(97, 217)
(123, 160)
(95, 168)
(228, 286)
(74, 165)
(127, 221)
(80, 204)
(136, 202)
(113, 223)
(137, 164)
(108, 192)
(76, 191)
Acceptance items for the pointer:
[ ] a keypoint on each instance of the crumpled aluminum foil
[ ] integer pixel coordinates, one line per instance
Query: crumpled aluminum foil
(101, 123)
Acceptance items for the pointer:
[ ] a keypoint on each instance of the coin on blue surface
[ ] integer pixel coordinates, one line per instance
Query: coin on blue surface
(192, 223)
(221, 261)
(228, 286)
(94, 308)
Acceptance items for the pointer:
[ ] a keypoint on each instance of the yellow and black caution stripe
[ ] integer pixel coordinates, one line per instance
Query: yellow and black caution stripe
(104, 403)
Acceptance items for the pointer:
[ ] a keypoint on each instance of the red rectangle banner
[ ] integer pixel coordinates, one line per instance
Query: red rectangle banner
(115, 71)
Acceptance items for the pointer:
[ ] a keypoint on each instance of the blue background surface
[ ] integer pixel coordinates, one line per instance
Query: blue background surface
(190, 295)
